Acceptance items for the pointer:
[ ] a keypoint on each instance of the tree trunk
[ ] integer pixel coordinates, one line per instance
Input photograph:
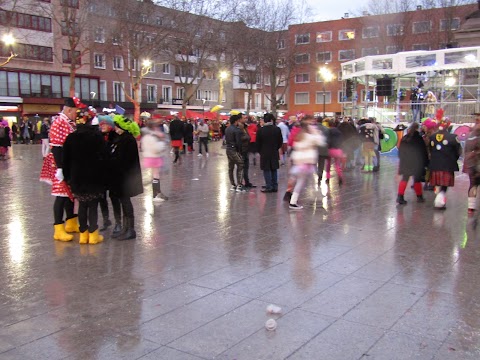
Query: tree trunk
(71, 91)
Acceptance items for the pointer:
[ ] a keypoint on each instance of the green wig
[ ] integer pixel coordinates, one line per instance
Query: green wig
(127, 125)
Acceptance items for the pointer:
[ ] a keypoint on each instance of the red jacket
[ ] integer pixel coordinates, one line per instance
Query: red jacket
(252, 131)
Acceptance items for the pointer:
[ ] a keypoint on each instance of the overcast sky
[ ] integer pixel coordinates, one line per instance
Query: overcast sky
(335, 9)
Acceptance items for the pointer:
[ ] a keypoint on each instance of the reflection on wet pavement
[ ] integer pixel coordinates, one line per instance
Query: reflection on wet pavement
(357, 276)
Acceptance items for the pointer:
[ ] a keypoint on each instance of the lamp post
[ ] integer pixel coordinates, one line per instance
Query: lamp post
(9, 41)
(326, 76)
(203, 108)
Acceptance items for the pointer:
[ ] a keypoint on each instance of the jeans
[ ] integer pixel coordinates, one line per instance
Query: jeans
(246, 166)
(234, 158)
(271, 180)
(416, 114)
(202, 141)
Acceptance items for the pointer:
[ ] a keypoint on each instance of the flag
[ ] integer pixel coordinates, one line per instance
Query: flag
(119, 110)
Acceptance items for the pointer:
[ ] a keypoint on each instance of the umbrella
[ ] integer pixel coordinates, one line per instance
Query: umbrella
(216, 108)
(192, 114)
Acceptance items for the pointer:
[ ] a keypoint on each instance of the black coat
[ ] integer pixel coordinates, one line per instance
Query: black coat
(176, 129)
(84, 159)
(5, 141)
(125, 174)
(188, 133)
(269, 141)
(445, 151)
(413, 156)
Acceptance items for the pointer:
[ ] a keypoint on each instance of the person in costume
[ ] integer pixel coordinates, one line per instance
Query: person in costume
(154, 144)
(5, 139)
(176, 136)
(52, 171)
(445, 151)
(429, 127)
(471, 164)
(84, 155)
(125, 173)
(368, 133)
(413, 160)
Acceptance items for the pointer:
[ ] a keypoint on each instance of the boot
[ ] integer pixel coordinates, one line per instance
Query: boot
(84, 237)
(60, 234)
(401, 200)
(95, 238)
(106, 224)
(71, 225)
(119, 230)
(130, 231)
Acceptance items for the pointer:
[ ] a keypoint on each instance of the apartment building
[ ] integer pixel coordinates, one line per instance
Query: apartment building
(328, 44)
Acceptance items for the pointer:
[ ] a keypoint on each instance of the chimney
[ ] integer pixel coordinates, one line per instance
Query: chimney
(419, 7)
(346, 15)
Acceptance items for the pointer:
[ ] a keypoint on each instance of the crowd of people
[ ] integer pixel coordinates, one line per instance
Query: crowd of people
(91, 158)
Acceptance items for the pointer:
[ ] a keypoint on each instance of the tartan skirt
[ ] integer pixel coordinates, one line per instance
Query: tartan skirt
(442, 178)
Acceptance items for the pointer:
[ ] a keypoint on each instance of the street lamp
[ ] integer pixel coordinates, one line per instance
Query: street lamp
(146, 67)
(9, 41)
(326, 76)
(203, 108)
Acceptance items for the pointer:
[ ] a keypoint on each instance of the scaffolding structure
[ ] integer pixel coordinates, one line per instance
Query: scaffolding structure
(453, 75)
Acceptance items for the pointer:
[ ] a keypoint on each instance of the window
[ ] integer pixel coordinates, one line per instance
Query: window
(167, 93)
(158, 21)
(302, 98)
(180, 92)
(281, 80)
(68, 59)
(70, 29)
(152, 93)
(281, 44)
(29, 52)
(166, 68)
(143, 18)
(116, 40)
(394, 29)
(117, 63)
(281, 62)
(25, 21)
(302, 39)
(393, 49)
(323, 97)
(69, 3)
(99, 35)
(341, 96)
(118, 93)
(346, 55)
(370, 32)
(324, 57)
(103, 90)
(339, 75)
(449, 24)
(266, 79)
(346, 34)
(369, 51)
(325, 36)
(133, 64)
(302, 58)
(99, 61)
(420, 47)
(302, 78)
(421, 27)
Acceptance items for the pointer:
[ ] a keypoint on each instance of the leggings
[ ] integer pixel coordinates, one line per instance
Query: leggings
(88, 215)
(62, 203)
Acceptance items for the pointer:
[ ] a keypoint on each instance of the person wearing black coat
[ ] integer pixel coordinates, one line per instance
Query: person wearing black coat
(445, 151)
(176, 136)
(413, 161)
(269, 141)
(188, 135)
(84, 170)
(125, 174)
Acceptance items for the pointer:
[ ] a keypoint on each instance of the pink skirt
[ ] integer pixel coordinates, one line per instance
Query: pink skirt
(152, 163)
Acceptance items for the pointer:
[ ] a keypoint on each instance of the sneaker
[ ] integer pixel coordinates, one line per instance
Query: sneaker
(240, 188)
(158, 199)
(233, 188)
(287, 196)
(295, 207)
(199, 155)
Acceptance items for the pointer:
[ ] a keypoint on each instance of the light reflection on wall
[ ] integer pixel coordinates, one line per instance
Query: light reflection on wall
(222, 196)
(16, 241)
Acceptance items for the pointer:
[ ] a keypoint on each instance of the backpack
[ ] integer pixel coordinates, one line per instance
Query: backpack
(2, 132)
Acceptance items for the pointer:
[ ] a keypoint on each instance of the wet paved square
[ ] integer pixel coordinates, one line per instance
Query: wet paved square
(357, 276)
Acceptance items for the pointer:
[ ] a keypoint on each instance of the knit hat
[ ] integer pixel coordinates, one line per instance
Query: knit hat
(127, 125)
(106, 119)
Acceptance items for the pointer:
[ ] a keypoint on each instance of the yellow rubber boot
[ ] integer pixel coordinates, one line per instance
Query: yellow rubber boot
(71, 225)
(84, 237)
(60, 233)
(95, 238)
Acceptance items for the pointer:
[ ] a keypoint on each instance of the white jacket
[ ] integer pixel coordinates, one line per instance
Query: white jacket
(153, 145)
(305, 151)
